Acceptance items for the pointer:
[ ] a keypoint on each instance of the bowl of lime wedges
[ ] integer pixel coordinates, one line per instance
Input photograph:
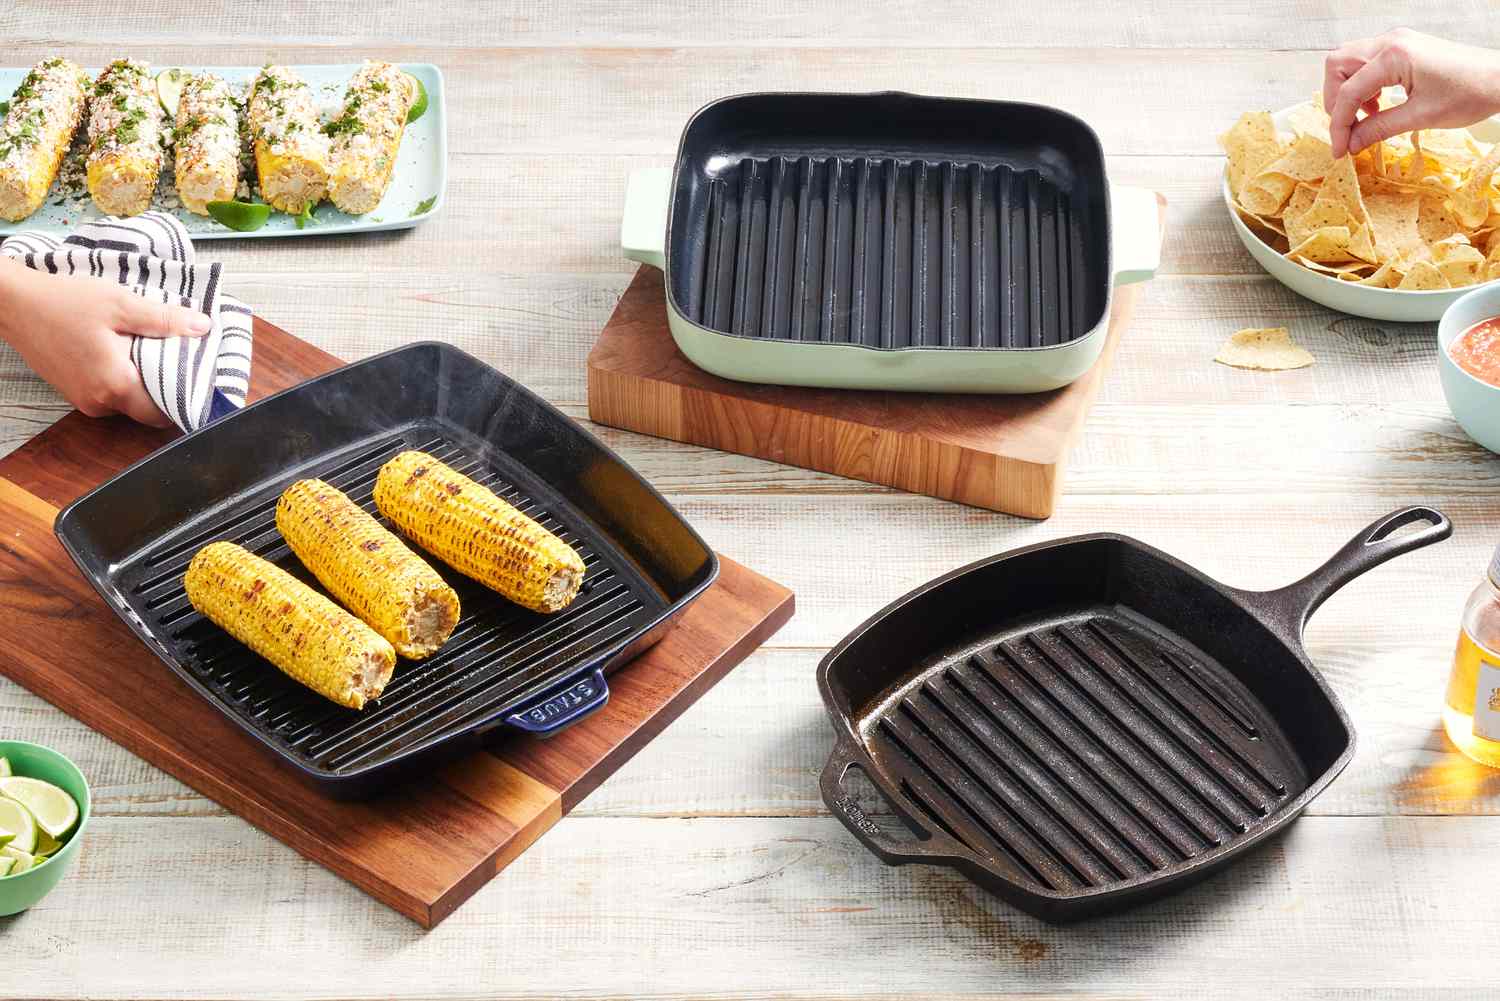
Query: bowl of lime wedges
(44, 807)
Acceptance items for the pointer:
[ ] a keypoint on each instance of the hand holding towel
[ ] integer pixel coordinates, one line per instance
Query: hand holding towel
(192, 380)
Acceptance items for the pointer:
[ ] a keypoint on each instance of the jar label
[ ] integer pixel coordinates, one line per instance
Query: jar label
(1487, 702)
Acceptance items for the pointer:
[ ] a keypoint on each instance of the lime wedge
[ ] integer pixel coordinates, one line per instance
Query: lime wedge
(5, 768)
(18, 822)
(169, 89)
(46, 844)
(23, 860)
(54, 810)
(419, 107)
(6, 864)
(244, 217)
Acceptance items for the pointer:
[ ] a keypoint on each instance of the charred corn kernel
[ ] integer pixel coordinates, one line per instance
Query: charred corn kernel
(291, 151)
(125, 131)
(35, 133)
(288, 623)
(367, 568)
(207, 132)
(466, 526)
(367, 136)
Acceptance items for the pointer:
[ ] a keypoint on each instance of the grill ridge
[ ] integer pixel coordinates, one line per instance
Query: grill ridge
(499, 652)
(958, 253)
(1176, 830)
(1123, 823)
(1081, 752)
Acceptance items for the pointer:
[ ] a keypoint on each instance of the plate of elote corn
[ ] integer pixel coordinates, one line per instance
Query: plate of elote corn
(390, 561)
(232, 151)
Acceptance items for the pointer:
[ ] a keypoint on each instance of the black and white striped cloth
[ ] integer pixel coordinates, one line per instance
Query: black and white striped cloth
(194, 380)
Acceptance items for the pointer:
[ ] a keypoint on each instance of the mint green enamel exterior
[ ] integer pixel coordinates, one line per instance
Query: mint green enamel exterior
(1475, 403)
(19, 892)
(1135, 251)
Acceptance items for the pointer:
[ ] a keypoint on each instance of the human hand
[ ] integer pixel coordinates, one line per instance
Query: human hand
(1448, 85)
(75, 332)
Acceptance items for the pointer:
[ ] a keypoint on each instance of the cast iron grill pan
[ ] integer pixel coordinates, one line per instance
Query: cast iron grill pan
(504, 668)
(891, 221)
(498, 653)
(1084, 725)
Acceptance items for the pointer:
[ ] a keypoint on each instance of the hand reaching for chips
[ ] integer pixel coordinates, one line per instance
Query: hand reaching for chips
(1415, 212)
(1448, 85)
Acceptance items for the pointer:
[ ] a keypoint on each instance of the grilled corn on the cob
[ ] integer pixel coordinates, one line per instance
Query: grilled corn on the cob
(367, 136)
(208, 143)
(291, 151)
(466, 526)
(367, 568)
(34, 135)
(125, 130)
(288, 623)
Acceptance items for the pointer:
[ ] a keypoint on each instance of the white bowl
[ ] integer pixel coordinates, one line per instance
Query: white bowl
(1347, 297)
(1474, 402)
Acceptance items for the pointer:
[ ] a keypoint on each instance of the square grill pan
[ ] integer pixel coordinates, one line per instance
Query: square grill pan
(1087, 724)
(889, 241)
(503, 667)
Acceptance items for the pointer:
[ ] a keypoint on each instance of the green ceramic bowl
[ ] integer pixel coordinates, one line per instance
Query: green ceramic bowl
(22, 891)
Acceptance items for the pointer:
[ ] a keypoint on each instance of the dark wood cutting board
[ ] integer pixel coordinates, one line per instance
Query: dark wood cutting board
(422, 850)
(1006, 453)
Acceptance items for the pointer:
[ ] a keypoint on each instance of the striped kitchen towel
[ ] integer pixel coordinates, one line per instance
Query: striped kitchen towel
(193, 380)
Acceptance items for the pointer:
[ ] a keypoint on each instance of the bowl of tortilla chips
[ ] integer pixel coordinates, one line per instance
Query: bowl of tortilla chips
(1398, 232)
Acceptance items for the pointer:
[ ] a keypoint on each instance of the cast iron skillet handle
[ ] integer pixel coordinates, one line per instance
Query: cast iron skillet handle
(1135, 233)
(562, 706)
(643, 228)
(1291, 606)
(937, 848)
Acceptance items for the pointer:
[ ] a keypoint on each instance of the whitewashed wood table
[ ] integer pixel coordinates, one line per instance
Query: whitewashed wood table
(709, 866)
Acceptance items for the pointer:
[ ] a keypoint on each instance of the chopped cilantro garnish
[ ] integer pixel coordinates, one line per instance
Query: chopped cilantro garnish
(424, 206)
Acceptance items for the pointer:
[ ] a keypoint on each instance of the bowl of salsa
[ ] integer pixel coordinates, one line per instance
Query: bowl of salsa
(1469, 363)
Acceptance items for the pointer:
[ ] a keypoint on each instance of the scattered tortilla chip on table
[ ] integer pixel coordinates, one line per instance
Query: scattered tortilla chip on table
(1267, 349)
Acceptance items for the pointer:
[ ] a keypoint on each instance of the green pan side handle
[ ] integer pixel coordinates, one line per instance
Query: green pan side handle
(643, 230)
(1135, 226)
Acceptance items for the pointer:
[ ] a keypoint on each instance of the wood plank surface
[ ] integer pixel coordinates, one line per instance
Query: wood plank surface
(679, 877)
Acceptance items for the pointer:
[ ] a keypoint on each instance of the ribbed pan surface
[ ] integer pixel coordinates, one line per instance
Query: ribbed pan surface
(1087, 751)
(891, 253)
(498, 653)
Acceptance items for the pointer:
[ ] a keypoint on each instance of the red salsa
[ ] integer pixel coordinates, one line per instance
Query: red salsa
(1477, 350)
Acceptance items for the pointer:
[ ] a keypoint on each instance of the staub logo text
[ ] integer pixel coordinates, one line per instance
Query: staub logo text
(563, 702)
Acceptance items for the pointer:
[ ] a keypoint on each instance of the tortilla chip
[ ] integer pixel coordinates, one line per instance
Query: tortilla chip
(1435, 220)
(1423, 277)
(1249, 146)
(1307, 159)
(1393, 223)
(1329, 245)
(1342, 186)
(1268, 349)
(1265, 193)
(1319, 215)
(1310, 119)
(1471, 203)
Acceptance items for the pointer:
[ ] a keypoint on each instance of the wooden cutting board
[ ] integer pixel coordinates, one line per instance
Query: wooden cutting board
(1005, 453)
(422, 850)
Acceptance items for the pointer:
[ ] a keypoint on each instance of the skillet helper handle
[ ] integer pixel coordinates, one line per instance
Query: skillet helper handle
(559, 708)
(1293, 605)
(1135, 233)
(937, 848)
(643, 229)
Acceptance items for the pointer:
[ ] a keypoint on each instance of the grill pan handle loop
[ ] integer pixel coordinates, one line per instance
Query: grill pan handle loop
(1290, 607)
(643, 227)
(937, 848)
(563, 705)
(1135, 233)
